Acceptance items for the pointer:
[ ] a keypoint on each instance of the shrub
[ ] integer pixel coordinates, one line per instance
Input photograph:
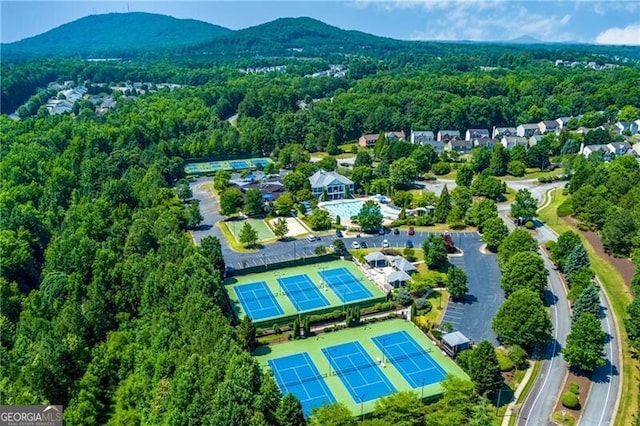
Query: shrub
(570, 400)
(327, 329)
(420, 303)
(565, 209)
(276, 329)
(550, 245)
(436, 333)
(403, 297)
(517, 355)
(506, 364)
(574, 388)
(392, 315)
(441, 168)
(529, 225)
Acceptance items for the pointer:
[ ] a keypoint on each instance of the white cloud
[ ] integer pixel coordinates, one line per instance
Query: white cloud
(629, 35)
(510, 21)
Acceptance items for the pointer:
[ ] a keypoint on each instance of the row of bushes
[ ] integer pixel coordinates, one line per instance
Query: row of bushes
(424, 220)
(570, 399)
(549, 179)
(363, 321)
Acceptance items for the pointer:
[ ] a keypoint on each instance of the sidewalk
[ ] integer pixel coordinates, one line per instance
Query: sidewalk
(509, 412)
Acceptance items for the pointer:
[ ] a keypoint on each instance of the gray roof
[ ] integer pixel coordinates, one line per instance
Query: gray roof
(529, 125)
(321, 179)
(398, 276)
(403, 264)
(455, 338)
(375, 257)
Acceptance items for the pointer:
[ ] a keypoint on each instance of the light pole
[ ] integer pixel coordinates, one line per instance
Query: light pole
(362, 406)
(422, 390)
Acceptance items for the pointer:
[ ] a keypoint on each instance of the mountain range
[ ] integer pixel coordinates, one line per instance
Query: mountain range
(136, 34)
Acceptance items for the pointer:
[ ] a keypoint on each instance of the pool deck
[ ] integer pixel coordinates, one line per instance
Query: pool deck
(345, 213)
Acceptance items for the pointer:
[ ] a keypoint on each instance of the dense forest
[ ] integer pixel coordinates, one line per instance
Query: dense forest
(109, 309)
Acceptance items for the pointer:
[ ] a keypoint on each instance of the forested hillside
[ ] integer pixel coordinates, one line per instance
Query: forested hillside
(114, 35)
(107, 306)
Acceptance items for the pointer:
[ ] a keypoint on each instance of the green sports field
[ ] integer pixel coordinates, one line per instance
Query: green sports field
(364, 335)
(312, 271)
(263, 230)
(204, 167)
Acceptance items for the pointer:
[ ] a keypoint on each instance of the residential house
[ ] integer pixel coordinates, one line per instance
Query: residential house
(527, 130)
(636, 149)
(476, 134)
(619, 148)
(533, 140)
(369, 140)
(58, 106)
(336, 186)
(398, 279)
(637, 122)
(499, 132)
(447, 135)
(510, 141)
(548, 126)
(426, 137)
(459, 145)
(488, 142)
(587, 150)
(623, 126)
(562, 122)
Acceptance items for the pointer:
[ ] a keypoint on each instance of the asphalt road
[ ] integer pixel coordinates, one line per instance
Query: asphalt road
(601, 405)
(539, 405)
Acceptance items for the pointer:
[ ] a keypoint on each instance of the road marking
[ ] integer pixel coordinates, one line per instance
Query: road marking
(544, 383)
(606, 401)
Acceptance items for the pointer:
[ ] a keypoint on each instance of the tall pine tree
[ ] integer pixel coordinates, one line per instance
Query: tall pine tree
(577, 259)
(443, 207)
(588, 303)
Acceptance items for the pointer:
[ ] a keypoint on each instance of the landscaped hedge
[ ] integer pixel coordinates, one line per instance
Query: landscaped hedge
(570, 400)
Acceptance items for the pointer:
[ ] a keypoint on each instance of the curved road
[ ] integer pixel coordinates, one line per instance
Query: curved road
(601, 404)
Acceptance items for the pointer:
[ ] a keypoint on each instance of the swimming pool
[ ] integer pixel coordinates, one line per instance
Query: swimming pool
(344, 208)
(348, 208)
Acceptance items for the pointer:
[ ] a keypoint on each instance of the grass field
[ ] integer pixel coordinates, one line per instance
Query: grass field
(312, 271)
(619, 298)
(261, 227)
(363, 334)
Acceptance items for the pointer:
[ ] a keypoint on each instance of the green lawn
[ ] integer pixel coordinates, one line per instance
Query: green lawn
(619, 297)
(270, 278)
(261, 227)
(363, 334)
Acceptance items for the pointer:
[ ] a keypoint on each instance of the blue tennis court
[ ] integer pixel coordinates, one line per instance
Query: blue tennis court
(297, 374)
(412, 360)
(345, 285)
(259, 162)
(215, 166)
(358, 372)
(302, 292)
(239, 165)
(258, 301)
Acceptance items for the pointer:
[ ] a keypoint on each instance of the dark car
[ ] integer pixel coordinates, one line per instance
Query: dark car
(411, 231)
(363, 244)
(396, 231)
(339, 233)
(408, 244)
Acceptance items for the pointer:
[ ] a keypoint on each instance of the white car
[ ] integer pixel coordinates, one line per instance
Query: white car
(312, 238)
(385, 243)
(355, 245)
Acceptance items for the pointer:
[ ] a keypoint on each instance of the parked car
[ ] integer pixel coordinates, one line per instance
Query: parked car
(396, 231)
(408, 244)
(381, 231)
(339, 233)
(385, 243)
(355, 245)
(411, 231)
(312, 238)
(363, 244)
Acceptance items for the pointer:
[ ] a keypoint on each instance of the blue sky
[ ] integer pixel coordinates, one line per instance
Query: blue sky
(607, 22)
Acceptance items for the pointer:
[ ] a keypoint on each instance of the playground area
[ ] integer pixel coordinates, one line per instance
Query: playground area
(357, 366)
(268, 296)
(200, 168)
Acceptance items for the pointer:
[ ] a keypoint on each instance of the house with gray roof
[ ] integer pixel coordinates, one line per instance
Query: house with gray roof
(499, 132)
(446, 135)
(376, 259)
(459, 145)
(527, 130)
(510, 141)
(401, 264)
(426, 137)
(398, 279)
(476, 134)
(336, 186)
(548, 126)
